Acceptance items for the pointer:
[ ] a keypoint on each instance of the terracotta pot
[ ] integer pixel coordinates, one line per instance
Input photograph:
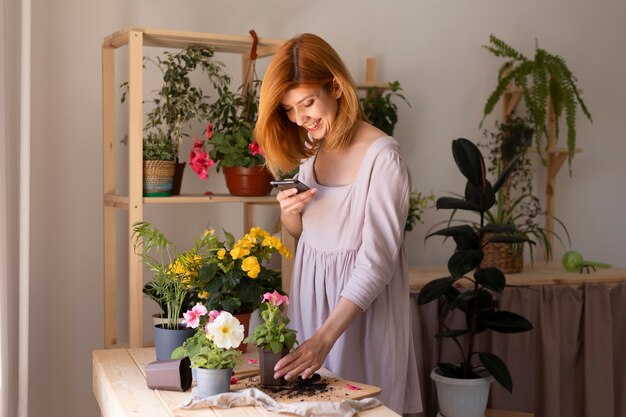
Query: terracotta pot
(267, 361)
(244, 319)
(253, 181)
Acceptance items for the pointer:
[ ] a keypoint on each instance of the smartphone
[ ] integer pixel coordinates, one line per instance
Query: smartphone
(289, 183)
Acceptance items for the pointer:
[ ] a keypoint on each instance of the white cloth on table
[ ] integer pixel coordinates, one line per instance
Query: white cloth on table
(352, 246)
(256, 397)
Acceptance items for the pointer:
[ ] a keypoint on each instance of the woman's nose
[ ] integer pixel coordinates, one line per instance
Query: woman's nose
(300, 117)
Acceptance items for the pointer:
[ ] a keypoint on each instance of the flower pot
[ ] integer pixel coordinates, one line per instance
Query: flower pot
(507, 257)
(212, 381)
(462, 397)
(166, 340)
(157, 319)
(179, 170)
(252, 181)
(267, 361)
(244, 319)
(158, 178)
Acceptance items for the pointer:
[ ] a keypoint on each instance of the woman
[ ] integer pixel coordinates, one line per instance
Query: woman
(350, 293)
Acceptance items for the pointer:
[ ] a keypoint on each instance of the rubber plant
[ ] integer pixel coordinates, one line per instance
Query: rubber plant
(545, 76)
(476, 302)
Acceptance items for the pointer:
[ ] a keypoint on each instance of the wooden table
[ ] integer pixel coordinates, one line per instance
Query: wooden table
(539, 274)
(119, 385)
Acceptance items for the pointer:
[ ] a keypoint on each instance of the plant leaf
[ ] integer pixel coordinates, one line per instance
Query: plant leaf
(506, 322)
(470, 161)
(456, 203)
(434, 289)
(464, 261)
(491, 278)
(498, 369)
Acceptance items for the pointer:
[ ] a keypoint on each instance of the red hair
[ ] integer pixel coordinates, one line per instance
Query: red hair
(303, 61)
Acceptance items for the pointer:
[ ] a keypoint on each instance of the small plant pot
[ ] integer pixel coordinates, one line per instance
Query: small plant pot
(244, 319)
(158, 178)
(166, 340)
(211, 382)
(252, 181)
(267, 361)
(462, 397)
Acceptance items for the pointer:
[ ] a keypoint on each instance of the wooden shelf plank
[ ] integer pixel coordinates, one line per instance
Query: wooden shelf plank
(167, 38)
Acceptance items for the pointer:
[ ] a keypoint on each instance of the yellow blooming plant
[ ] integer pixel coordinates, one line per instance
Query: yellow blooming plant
(175, 274)
(235, 278)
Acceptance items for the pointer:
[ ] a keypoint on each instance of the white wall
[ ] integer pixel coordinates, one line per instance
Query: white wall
(432, 47)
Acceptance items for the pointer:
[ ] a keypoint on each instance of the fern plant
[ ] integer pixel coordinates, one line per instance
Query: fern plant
(547, 75)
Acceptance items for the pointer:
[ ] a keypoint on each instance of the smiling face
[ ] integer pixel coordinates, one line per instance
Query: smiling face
(315, 109)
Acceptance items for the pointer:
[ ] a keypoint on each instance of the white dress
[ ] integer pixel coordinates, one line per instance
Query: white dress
(352, 246)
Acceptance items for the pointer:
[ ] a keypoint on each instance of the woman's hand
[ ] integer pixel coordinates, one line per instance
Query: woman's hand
(305, 360)
(292, 203)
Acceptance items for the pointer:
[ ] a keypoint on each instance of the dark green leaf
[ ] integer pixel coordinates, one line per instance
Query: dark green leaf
(491, 278)
(452, 333)
(456, 203)
(464, 261)
(434, 289)
(506, 322)
(498, 369)
(469, 160)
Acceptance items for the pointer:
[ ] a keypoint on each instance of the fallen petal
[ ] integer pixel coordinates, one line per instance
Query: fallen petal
(353, 387)
(252, 361)
(234, 379)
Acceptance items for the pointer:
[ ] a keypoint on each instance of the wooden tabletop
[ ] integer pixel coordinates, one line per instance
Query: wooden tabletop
(539, 274)
(119, 385)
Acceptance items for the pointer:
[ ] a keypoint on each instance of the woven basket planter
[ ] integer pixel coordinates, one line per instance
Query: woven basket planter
(158, 178)
(507, 257)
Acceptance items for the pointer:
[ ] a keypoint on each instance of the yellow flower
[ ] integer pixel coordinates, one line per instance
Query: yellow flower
(221, 253)
(203, 294)
(251, 266)
(239, 252)
(284, 252)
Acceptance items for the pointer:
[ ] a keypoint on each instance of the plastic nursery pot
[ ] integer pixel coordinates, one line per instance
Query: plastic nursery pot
(212, 381)
(171, 375)
(267, 361)
(166, 340)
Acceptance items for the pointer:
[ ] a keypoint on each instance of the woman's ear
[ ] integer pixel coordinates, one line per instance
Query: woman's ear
(337, 89)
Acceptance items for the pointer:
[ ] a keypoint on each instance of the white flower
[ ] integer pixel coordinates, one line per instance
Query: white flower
(225, 331)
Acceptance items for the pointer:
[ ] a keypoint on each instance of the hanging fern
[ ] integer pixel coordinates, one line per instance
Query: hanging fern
(547, 75)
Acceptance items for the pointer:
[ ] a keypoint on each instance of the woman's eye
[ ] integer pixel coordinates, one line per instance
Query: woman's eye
(308, 103)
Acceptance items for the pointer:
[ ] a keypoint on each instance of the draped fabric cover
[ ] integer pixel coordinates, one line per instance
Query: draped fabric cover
(570, 365)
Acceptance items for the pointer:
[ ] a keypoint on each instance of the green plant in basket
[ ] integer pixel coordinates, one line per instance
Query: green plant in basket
(273, 334)
(157, 146)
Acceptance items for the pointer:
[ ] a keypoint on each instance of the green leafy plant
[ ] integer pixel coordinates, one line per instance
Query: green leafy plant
(379, 108)
(235, 277)
(273, 334)
(545, 77)
(417, 205)
(178, 102)
(215, 342)
(477, 302)
(174, 272)
(157, 146)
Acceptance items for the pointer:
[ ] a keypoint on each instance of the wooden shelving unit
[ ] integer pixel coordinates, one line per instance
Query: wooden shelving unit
(555, 156)
(136, 39)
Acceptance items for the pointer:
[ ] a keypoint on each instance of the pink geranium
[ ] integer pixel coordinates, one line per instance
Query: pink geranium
(209, 131)
(192, 317)
(199, 160)
(255, 149)
(275, 299)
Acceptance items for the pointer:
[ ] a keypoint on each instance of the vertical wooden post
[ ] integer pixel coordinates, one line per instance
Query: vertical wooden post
(108, 188)
(135, 186)
(371, 70)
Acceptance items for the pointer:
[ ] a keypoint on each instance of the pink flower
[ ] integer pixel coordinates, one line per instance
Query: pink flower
(192, 317)
(255, 149)
(275, 298)
(213, 315)
(234, 379)
(209, 131)
(353, 387)
(200, 162)
(197, 144)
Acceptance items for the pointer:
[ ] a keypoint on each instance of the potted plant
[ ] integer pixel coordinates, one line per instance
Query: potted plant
(477, 302)
(417, 204)
(212, 349)
(159, 164)
(543, 80)
(178, 102)
(235, 277)
(273, 338)
(173, 282)
(379, 108)
(232, 147)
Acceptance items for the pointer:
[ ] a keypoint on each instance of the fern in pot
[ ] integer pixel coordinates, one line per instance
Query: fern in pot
(477, 302)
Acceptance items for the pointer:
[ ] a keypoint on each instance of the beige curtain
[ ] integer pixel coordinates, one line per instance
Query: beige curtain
(14, 206)
(571, 365)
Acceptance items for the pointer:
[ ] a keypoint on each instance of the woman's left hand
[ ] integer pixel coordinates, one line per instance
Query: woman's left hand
(305, 360)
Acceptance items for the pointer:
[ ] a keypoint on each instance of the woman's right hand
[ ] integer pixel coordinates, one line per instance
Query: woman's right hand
(292, 203)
